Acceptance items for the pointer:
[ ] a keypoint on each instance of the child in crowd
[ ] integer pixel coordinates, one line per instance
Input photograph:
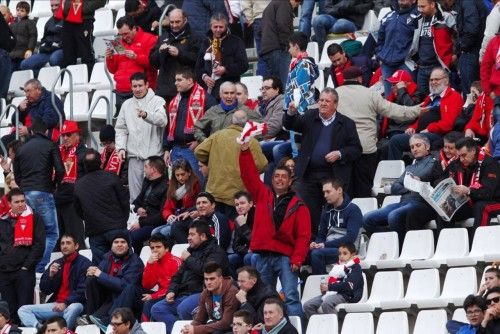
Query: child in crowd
(25, 31)
(242, 322)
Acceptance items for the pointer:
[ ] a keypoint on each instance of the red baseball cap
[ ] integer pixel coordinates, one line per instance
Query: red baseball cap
(69, 127)
(398, 76)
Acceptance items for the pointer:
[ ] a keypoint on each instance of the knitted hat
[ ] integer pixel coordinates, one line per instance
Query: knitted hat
(122, 235)
(4, 310)
(352, 73)
(107, 133)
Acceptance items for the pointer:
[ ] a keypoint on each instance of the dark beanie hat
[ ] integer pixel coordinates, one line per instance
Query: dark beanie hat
(107, 133)
(352, 73)
(121, 234)
(4, 310)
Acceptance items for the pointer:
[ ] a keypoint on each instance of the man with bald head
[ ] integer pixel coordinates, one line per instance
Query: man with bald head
(177, 47)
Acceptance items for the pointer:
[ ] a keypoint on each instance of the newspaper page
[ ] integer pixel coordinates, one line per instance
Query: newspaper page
(115, 46)
(441, 198)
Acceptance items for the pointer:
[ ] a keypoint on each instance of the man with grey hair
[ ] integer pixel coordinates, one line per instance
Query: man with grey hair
(397, 215)
(221, 152)
(219, 116)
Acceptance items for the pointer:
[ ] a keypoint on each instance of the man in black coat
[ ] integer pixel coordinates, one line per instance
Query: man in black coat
(146, 14)
(102, 202)
(330, 145)
(7, 43)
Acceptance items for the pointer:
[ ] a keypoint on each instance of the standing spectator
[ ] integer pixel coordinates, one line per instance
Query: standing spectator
(280, 236)
(492, 27)
(101, 201)
(277, 23)
(221, 152)
(201, 11)
(35, 165)
(146, 14)
(139, 130)
(149, 203)
(72, 155)
(64, 279)
(274, 318)
(22, 240)
(490, 70)
(178, 47)
(330, 145)
(222, 56)
(135, 58)
(50, 50)
(342, 61)
(395, 38)
(7, 43)
(160, 268)
(252, 10)
(307, 10)
(78, 30)
(25, 31)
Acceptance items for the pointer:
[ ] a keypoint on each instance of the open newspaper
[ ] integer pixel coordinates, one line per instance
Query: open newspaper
(115, 46)
(441, 198)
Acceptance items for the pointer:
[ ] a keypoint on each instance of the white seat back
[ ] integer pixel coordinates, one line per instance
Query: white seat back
(101, 108)
(383, 12)
(296, 322)
(47, 75)
(41, 8)
(423, 284)
(323, 324)
(88, 329)
(80, 78)
(313, 51)
(98, 79)
(17, 80)
(40, 26)
(459, 315)
(311, 288)
(329, 82)
(387, 285)
(371, 22)
(87, 253)
(145, 254)
(253, 83)
(418, 245)
(103, 23)
(387, 170)
(393, 323)
(459, 283)
(486, 241)
(431, 321)
(358, 323)
(80, 106)
(179, 325)
(366, 204)
(452, 242)
(28, 330)
(319, 83)
(177, 249)
(154, 327)
(383, 246)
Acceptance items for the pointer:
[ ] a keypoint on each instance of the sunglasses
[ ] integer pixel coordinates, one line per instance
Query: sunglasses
(492, 300)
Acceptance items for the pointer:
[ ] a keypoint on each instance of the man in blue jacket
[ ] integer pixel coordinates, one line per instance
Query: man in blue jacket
(116, 282)
(65, 280)
(340, 223)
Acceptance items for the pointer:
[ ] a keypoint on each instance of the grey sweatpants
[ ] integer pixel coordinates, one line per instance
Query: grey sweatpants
(135, 177)
(328, 305)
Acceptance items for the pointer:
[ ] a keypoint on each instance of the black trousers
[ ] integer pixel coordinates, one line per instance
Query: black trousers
(69, 222)
(310, 189)
(362, 175)
(17, 289)
(179, 231)
(77, 43)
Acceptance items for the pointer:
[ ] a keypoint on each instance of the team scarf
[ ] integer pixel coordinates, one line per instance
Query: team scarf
(195, 110)
(114, 163)
(23, 229)
(474, 182)
(295, 61)
(70, 161)
(445, 162)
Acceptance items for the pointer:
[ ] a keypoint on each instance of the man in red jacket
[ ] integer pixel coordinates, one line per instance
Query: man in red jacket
(282, 228)
(134, 58)
(490, 70)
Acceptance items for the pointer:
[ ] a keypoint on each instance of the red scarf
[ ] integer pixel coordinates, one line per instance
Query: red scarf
(444, 161)
(195, 110)
(23, 229)
(75, 12)
(70, 161)
(114, 164)
(338, 72)
(474, 181)
(64, 290)
(295, 61)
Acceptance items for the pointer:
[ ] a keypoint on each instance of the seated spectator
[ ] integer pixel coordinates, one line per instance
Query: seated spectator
(347, 290)
(491, 321)
(217, 303)
(146, 14)
(341, 61)
(148, 205)
(474, 307)
(55, 325)
(340, 223)
(109, 156)
(491, 280)
(181, 195)
(242, 322)
(123, 322)
(242, 96)
(205, 211)
(240, 254)
(397, 215)
(479, 125)
(50, 50)
(253, 292)
(115, 283)
(7, 15)
(448, 153)
(187, 284)
(25, 31)
(64, 279)
(5, 324)
(159, 270)
(274, 319)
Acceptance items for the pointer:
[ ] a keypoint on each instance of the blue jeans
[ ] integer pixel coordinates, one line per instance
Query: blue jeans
(101, 244)
(320, 257)
(163, 229)
(5, 73)
(387, 71)
(33, 315)
(137, 237)
(257, 35)
(398, 144)
(307, 13)
(236, 261)
(468, 66)
(180, 309)
(273, 266)
(325, 24)
(178, 152)
(43, 204)
(278, 64)
(146, 308)
(38, 60)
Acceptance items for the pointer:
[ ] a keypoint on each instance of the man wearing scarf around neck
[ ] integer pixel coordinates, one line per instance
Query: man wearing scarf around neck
(22, 242)
(274, 320)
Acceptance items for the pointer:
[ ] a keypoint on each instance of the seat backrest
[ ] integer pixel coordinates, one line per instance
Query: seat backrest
(87, 253)
(41, 8)
(253, 83)
(391, 169)
(178, 248)
(323, 324)
(423, 284)
(145, 254)
(391, 200)
(319, 83)
(311, 288)
(154, 327)
(431, 321)
(418, 245)
(393, 323)
(80, 104)
(383, 12)
(103, 20)
(387, 285)
(12, 6)
(329, 82)
(371, 22)
(313, 51)
(101, 108)
(88, 329)
(28, 330)
(357, 323)
(18, 79)
(47, 75)
(98, 78)
(366, 204)
(459, 282)
(383, 246)
(486, 241)
(296, 322)
(120, 13)
(364, 297)
(40, 26)
(80, 76)
(179, 325)
(452, 243)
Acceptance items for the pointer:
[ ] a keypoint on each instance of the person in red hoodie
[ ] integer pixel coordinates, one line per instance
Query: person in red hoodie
(490, 70)
(160, 268)
(135, 58)
(282, 228)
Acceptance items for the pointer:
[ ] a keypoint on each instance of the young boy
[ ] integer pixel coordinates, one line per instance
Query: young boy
(242, 322)
(349, 289)
(25, 31)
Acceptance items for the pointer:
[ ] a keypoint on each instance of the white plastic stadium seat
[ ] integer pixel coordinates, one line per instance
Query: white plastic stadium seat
(40, 26)
(371, 22)
(178, 325)
(423, 284)
(41, 8)
(296, 322)
(87, 253)
(358, 323)
(178, 248)
(391, 199)
(329, 82)
(311, 288)
(323, 324)
(366, 204)
(80, 77)
(418, 245)
(145, 254)
(80, 106)
(485, 247)
(364, 297)
(459, 315)
(28, 330)
(393, 323)
(98, 79)
(103, 24)
(154, 327)
(253, 83)
(431, 321)
(386, 169)
(115, 4)
(382, 246)
(12, 6)
(319, 83)
(313, 51)
(383, 12)
(88, 329)
(452, 242)
(100, 109)
(47, 75)
(18, 80)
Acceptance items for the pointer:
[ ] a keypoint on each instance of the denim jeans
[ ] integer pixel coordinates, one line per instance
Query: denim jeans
(180, 309)
(320, 257)
(38, 60)
(387, 71)
(43, 204)
(257, 35)
(33, 315)
(237, 260)
(137, 237)
(324, 24)
(101, 244)
(178, 152)
(278, 64)
(468, 66)
(163, 229)
(399, 144)
(270, 268)
(307, 13)
(5, 73)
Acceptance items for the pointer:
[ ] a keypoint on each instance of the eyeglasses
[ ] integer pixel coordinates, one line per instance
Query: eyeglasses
(474, 312)
(492, 300)
(116, 324)
(265, 87)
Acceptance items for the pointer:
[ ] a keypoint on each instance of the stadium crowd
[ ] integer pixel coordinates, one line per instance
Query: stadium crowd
(257, 189)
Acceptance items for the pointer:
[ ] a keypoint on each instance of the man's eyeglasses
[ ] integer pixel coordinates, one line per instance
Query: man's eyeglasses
(436, 79)
(265, 88)
(492, 300)
(474, 312)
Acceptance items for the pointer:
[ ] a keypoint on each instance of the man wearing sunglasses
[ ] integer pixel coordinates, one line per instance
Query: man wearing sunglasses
(491, 321)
